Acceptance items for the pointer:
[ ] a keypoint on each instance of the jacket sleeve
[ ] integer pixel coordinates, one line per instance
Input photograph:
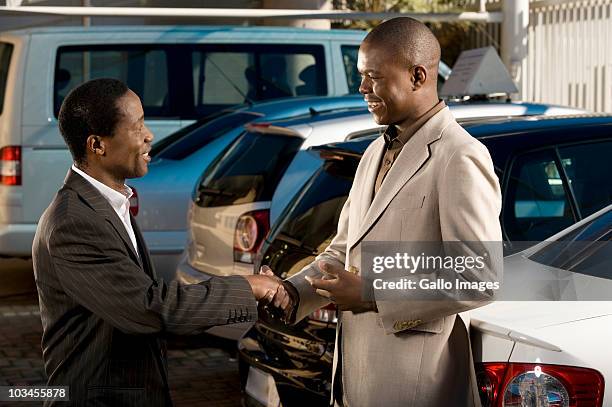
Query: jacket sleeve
(95, 270)
(309, 300)
(469, 208)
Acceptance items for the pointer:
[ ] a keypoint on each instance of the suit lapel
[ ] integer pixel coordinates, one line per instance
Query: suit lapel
(411, 159)
(144, 252)
(97, 202)
(366, 191)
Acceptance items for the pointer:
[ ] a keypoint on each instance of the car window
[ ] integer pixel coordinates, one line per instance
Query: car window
(349, 59)
(314, 217)
(310, 221)
(589, 170)
(231, 75)
(193, 81)
(5, 59)
(199, 136)
(248, 171)
(144, 70)
(585, 250)
(536, 204)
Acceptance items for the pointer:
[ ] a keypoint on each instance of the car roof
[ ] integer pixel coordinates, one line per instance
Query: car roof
(263, 112)
(499, 127)
(314, 103)
(317, 117)
(504, 126)
(490, 108)
(485, 112)
(181, 29)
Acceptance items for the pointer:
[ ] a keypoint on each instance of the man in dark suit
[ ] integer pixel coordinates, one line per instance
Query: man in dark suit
(104, 310)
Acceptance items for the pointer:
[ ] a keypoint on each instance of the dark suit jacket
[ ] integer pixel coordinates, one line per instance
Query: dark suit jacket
(105, 312)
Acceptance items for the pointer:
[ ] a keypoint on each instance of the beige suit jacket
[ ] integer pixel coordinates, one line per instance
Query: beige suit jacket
(411, 353)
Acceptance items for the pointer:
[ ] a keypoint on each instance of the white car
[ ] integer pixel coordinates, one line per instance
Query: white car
(551, 353)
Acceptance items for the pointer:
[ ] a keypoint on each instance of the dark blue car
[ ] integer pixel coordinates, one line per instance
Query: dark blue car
(553, 172)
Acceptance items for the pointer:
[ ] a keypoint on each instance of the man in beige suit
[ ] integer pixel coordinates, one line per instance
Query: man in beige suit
(425, 179)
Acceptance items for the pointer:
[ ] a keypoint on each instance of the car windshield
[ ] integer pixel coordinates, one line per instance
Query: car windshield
(586, 249)
(186, 141)
(311, 219)
(248, 171)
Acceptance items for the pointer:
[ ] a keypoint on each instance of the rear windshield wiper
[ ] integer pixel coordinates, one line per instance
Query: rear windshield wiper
(215, 192)
(298, 244)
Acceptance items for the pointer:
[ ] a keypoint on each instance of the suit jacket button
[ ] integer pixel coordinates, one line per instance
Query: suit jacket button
(400, 325)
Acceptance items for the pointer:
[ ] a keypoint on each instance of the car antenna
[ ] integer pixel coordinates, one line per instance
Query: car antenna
(248, 100)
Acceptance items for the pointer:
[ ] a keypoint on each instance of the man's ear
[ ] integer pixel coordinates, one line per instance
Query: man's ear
(419, 76)
(95, 145)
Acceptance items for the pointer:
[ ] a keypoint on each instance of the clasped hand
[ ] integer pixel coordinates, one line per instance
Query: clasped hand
(270, 292)
(341, 287)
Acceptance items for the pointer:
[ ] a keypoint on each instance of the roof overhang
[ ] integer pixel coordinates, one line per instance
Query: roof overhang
(490, 17)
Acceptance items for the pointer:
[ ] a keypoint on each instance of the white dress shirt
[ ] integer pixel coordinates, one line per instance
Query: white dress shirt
(119, 202)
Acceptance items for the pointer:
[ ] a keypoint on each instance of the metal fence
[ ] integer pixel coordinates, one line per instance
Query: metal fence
(570, 53)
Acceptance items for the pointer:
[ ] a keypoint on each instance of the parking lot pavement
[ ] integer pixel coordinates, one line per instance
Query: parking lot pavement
(200, 369)
(16, 277)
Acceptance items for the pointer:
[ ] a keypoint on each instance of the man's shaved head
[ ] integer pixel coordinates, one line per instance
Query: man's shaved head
(409, 39)
(398, 62)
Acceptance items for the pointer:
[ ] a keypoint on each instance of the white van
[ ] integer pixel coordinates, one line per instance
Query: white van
(181, 73)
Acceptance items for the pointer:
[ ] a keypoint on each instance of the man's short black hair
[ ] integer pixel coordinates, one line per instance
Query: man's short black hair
(90, 109)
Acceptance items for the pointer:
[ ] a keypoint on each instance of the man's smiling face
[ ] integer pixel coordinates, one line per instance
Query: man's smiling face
(127, 151)
(386, 83)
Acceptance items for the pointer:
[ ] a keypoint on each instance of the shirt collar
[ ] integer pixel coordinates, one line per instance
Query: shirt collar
(115, 198)
(391, 135)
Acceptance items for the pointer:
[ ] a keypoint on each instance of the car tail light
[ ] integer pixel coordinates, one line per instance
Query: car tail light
(326, 314)
(527, 384)
(134, 202)
(251, 228)
(10, 165)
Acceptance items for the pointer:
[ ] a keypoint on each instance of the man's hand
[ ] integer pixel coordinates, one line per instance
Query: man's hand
(341, 287)
(282, 305)
(268, 289)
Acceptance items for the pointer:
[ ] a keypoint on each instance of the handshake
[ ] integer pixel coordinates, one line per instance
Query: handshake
(276, 299)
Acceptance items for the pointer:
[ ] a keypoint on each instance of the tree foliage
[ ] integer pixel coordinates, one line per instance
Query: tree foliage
(452, 36)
